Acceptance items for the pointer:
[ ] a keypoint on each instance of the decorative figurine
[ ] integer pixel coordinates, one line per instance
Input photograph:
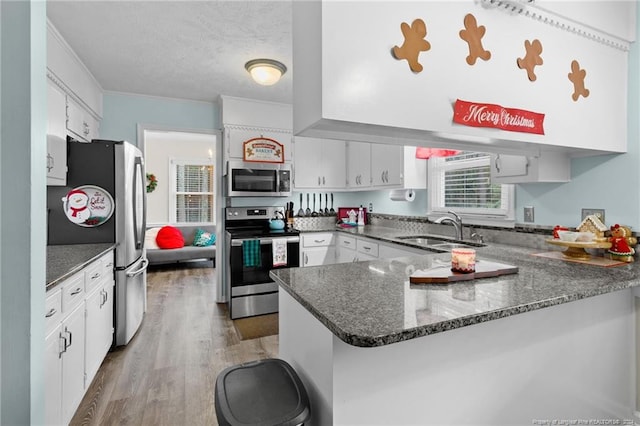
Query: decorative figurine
(593, 224)
(621, 241)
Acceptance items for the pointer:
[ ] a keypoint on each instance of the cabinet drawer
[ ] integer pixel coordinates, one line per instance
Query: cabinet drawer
(368, 247)
(93, 276)
(346, 242)
(53, 310)
(107, 264)
(72, 292)
(317, 239)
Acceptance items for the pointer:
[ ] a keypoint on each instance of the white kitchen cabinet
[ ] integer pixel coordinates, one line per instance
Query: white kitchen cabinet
(53, 349)
(73, 386)
(79, 324)
(319, 163)
(236, 136)
(346, 249)
(358, 164)
(547, 167)
(56, 135)
(415, 170)
(99, 330)
(81, 125)
(341, 86)
(318, 248)
(387, 165)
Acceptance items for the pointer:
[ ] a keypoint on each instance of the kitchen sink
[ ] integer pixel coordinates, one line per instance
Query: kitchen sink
(423, 241)
(440, 244)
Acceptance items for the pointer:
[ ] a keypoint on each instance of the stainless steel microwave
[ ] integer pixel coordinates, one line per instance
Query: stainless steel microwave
(245, 179)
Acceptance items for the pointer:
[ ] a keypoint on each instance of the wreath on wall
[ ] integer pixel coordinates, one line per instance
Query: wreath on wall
(152, 182)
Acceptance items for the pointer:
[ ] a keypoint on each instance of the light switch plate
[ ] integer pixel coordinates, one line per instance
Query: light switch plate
(598, 212)
(528, 214)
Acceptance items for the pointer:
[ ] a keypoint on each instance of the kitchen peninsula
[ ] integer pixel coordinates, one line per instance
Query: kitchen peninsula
(555, 341)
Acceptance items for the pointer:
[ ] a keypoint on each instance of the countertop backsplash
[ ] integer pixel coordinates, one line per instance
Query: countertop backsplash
(523, 235)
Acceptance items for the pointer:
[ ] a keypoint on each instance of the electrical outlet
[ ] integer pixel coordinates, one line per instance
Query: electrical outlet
(598, 212)
(528, 214)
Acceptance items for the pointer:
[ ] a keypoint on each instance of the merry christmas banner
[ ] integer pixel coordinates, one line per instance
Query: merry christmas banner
(498, 117)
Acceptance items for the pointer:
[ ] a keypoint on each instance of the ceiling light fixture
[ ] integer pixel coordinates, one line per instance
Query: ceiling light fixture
(265, 71)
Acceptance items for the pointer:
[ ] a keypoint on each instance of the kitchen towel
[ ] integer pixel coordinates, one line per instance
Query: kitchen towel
(251, 253)
(279, 248)
(402, 195)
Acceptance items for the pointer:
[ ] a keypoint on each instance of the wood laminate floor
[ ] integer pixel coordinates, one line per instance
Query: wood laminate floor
(166, 374)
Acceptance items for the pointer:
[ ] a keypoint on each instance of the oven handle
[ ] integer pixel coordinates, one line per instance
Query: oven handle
(238, 241)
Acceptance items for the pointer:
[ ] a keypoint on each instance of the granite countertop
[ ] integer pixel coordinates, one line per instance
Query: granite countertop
(64, 260)
(373, 304)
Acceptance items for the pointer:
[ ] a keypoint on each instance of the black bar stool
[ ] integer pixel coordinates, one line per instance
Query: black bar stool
(261, 393)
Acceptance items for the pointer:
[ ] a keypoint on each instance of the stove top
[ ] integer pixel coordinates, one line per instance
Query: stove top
(253, 222)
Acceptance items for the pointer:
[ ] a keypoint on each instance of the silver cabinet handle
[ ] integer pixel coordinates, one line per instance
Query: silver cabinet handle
(346, 243)
(306, 259)
(62, 345)
(76, 291)
(366, 248)
(497, 163)
(323, 181)
(318, 180)
(96, 275)
(318, 241)
(51, 313)
(50, 163)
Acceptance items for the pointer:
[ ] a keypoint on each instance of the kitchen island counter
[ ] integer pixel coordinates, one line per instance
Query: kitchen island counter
(554, 341)
(64, 260)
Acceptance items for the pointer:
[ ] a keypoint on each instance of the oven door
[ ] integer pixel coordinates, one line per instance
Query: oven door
(252, 291)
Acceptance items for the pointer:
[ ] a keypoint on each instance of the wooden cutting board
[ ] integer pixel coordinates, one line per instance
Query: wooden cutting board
(444, 274)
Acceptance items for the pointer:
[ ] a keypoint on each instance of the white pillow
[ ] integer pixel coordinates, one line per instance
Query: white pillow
(150, 238)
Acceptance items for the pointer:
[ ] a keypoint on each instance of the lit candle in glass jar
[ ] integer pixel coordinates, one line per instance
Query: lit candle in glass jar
(463, 260)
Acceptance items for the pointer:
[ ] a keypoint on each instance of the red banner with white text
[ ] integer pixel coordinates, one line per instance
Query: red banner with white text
(477, 114)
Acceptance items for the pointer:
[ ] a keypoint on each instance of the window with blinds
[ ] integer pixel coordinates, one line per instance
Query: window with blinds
(193, 191)
(463, 183)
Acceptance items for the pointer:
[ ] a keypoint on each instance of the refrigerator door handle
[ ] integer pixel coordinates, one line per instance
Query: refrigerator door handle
(139, 185)
(137, 272)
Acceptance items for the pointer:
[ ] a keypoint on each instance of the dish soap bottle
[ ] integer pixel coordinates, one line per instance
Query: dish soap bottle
(360, 216)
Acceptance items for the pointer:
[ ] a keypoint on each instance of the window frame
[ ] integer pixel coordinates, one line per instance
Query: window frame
(436, 168)
(173, 193)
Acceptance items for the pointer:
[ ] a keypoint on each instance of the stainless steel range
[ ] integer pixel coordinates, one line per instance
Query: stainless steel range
(253, 250)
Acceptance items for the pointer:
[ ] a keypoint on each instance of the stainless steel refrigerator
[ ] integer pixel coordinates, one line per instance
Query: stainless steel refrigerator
(105, 202)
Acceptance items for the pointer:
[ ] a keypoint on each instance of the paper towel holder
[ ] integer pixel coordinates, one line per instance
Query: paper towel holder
(402, 195)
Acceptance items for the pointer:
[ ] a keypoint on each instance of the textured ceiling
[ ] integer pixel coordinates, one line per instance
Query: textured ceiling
(178, 49)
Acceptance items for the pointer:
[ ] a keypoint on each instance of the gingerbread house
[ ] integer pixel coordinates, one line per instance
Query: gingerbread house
(593, 224)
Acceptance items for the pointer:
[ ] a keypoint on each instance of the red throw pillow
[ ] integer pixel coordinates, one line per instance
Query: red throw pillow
(169, 238)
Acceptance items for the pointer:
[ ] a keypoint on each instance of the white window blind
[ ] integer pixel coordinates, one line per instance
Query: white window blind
(192, 199)
(463, 183)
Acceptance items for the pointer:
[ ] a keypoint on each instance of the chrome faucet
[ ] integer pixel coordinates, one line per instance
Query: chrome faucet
(454, 220)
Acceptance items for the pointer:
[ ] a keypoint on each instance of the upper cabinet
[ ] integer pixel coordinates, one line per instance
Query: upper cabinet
(359, 165)
(245, 119)
(348, 85)
(319, 163)
(74, 104)
(386, 165)
(547, 167)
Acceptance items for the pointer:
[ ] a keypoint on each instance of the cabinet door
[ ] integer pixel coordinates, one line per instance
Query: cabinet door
(306, 164)
(73, 385)
(56, 136)
(318, 256)
(76, 123)
(53, 378)
(358, 164)
(346, 255)
(334, 164)
(386, 164)
(235, 139)
(503, 166)
(99, 327)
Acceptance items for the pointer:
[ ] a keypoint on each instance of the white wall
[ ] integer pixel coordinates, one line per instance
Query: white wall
(159, 148)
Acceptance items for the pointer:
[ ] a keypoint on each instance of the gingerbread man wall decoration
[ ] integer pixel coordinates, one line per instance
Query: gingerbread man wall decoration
(414, 43)
(532, 58)
(473, 34)
(577, 77)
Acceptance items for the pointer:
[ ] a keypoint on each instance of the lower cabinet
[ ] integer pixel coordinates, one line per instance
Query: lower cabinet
(79, 323)
(318, 248)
